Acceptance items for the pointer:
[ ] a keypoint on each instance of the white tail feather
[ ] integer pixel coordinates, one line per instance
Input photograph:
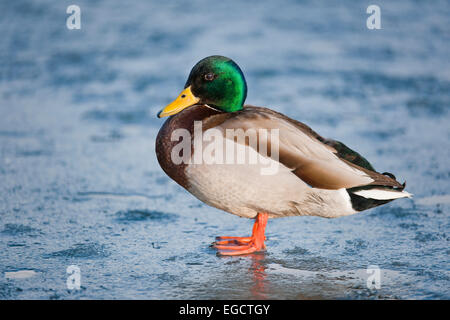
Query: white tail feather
(378, 194)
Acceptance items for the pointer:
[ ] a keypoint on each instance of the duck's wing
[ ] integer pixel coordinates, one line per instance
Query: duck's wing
(344, 152)
(321, 164)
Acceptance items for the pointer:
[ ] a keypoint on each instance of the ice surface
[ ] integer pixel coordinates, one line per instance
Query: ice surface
(79, 180)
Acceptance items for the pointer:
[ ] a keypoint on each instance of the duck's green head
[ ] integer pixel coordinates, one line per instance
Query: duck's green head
(216, 81)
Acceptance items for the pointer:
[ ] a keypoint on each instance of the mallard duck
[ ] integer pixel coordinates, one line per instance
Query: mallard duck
(314, 177)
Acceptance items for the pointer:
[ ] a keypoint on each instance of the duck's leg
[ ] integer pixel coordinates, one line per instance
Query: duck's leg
(231, 246)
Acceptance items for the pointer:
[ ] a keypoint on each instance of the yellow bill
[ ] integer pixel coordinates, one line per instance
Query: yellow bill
(184, 100)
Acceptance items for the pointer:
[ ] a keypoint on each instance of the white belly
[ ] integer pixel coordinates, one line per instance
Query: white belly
(243, 190)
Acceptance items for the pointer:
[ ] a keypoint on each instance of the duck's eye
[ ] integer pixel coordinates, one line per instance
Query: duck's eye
(209, 76)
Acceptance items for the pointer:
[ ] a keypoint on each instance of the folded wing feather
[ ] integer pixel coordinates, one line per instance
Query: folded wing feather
(300, 149)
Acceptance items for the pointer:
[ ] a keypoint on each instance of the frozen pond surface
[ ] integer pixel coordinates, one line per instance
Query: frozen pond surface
(79, 180)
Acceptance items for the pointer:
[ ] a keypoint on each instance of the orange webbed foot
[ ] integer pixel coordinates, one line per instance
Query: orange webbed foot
(231, 246)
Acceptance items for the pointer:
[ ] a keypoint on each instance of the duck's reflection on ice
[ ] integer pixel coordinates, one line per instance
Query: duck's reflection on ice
(258, 270)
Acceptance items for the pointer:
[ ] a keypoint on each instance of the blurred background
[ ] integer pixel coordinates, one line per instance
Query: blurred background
(80, 183)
